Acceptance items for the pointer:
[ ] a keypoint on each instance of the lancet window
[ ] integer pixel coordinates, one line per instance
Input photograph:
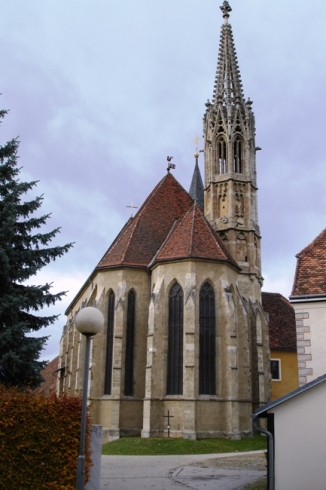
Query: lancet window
(207, 385)
(109, 344)
(237, 155)
(130, 345)
(221, 149)
(175, 341)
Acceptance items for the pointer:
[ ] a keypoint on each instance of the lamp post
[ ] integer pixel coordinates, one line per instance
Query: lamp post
(89, 321)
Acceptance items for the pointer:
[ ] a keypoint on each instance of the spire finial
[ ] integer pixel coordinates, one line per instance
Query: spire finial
(226, 9)
(196, 141)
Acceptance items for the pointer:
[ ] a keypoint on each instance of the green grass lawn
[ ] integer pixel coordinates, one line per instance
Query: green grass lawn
(137, 446)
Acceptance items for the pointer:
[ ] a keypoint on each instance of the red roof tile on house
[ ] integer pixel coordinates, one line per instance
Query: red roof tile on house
(192, 236)
(282, 329)
(143, 235)
(310, 273)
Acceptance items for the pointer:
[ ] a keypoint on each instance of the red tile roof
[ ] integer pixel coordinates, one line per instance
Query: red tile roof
(310, 276)
(193, 236)
(144, 234)
(167, 226)
(50, 380)
(282, 329)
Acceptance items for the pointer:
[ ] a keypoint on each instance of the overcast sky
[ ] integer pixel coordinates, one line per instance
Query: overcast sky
(101, 91)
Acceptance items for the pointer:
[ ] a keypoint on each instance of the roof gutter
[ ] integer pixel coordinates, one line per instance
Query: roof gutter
(307, 298)
(271, 468)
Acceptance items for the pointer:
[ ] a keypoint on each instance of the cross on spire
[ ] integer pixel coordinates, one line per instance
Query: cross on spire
(196, 141)
(132, 208)
(226, 9)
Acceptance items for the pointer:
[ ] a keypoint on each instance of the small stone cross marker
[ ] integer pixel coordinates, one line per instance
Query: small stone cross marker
(168, 416)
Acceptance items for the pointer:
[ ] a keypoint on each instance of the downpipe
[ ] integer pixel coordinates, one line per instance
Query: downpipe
(271, 469)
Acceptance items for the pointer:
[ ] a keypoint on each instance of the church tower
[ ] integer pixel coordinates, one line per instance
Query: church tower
(230, 163)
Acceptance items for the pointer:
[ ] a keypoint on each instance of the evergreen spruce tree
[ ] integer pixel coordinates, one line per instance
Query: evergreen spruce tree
(23, 252)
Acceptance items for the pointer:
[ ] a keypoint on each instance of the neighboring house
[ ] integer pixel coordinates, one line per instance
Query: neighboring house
(282, 343)
(297, 442)
(308, 298)
(180, 292)
(50, 376)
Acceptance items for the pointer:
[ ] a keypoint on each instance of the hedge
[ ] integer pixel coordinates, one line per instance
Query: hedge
(39, 440)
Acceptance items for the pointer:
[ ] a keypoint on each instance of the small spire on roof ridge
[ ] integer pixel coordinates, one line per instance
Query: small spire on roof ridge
(226, 9)
(196, 190)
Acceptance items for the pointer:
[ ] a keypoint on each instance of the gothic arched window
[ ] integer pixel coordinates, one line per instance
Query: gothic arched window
(207, 340)
(221, 148)
(109, 345)
(237, 155)
(175, 342)
(130, 345)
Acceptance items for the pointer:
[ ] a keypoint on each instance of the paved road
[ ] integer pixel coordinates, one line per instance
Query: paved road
(172, 472)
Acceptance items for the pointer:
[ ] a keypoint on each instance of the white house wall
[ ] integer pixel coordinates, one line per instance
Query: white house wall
(311, 339)
(300, 442)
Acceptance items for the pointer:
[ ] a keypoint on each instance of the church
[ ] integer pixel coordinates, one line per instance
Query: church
(185, 334)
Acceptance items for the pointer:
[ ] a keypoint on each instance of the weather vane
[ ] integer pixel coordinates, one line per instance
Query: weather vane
(170, 165)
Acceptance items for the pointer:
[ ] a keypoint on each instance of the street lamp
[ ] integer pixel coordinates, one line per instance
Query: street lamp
(89, 321)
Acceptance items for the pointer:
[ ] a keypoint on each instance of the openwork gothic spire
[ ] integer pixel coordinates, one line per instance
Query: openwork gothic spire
(228, 85)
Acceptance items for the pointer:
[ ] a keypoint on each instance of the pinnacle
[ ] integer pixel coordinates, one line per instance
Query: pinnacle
(228, 83)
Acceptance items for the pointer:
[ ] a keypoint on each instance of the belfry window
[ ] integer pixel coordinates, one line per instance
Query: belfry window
(237, 155)
(130, 345)
(221, 148)
(207, 340)
(109, 345)
(175, 341)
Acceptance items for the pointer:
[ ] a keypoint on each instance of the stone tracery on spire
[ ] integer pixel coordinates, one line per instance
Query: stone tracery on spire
(228, 85)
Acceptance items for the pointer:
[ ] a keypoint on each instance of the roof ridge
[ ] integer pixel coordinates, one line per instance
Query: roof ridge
(192, 227)
(220, 243)
(139, 242)
(193, 237)
(118, 237)
(313, 243)
(164, 242)
(130, 238)
(309, 277)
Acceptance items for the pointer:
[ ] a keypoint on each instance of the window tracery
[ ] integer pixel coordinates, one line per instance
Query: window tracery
(130, 345)
(175, 341)
(237, 155)
(109, 344)
(207, 385)
(221, 149)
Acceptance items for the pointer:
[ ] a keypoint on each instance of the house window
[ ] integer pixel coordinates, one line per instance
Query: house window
(175, 341)
(276, 369)
(130, 345)
(237, 155)
(207, 340)
(109, 345)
